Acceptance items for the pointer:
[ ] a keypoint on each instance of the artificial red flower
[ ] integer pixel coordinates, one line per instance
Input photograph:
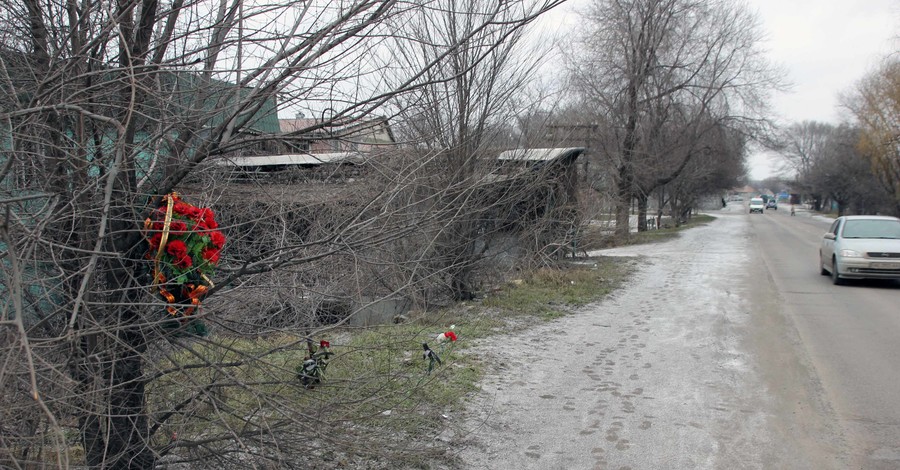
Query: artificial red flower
(155, 240)
(217, 239)
(208, 218)
(211, 255)
(447, 335)
(184, 261)
(177, 227)
(324, 344)
(176, 248)
(186, 210)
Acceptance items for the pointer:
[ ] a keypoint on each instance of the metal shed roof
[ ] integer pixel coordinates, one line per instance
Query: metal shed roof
(293, 159)
(541, 155)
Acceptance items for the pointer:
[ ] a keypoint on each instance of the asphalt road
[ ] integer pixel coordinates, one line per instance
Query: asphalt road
(850, 335)
(728, 350)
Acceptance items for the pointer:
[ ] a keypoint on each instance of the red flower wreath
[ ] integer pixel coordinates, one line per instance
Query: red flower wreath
(185, 246)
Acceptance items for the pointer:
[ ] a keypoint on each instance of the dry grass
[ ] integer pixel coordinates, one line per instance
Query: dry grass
(595, 238)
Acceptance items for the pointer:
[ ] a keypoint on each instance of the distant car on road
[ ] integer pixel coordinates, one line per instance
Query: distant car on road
(757, 205)
(860, 247)
(772, 204)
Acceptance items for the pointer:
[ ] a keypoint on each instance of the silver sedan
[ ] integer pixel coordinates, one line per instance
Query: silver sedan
(860, 247)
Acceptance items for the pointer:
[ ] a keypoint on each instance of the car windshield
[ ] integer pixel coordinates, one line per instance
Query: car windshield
(872, 229)
(756, 201)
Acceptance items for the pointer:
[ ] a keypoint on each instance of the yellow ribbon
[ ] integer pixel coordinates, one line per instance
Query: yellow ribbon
(165, 237)
(166, 223)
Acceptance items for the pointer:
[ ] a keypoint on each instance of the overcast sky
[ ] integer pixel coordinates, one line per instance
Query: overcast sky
(825, 46)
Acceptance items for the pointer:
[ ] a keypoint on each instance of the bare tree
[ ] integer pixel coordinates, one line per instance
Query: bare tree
(675, 144)
(644, 62)
(461, 119)
(802, 146)
(715, 169)
(108, 106)
(844, 174)
(804, 142)
(875, 103)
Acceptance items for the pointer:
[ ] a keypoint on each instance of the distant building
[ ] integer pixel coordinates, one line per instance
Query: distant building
(309, 135)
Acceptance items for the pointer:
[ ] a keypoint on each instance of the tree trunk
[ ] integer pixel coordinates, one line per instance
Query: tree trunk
(623, 207)
(842, 207)
(625, 180)
(114, 427)
(676, 210)
(817, 203)
(642, 201)
(117, 437)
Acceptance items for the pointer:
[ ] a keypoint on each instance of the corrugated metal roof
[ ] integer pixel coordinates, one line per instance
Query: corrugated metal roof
(541, 155)
(336, 129)
(293, 159)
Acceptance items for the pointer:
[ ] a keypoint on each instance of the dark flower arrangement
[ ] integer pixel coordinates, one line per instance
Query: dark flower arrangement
(185, 245)
(312, 371)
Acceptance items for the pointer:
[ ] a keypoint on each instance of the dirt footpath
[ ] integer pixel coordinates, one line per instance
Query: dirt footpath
(660, 376)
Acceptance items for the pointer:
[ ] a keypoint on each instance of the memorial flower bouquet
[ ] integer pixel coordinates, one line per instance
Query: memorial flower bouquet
(185, 244)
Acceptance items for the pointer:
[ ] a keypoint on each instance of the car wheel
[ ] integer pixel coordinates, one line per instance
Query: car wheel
(822, 269)
(835, 277)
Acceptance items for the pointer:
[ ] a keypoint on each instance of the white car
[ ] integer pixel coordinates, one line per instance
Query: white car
(757, 205)
(860, 247)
